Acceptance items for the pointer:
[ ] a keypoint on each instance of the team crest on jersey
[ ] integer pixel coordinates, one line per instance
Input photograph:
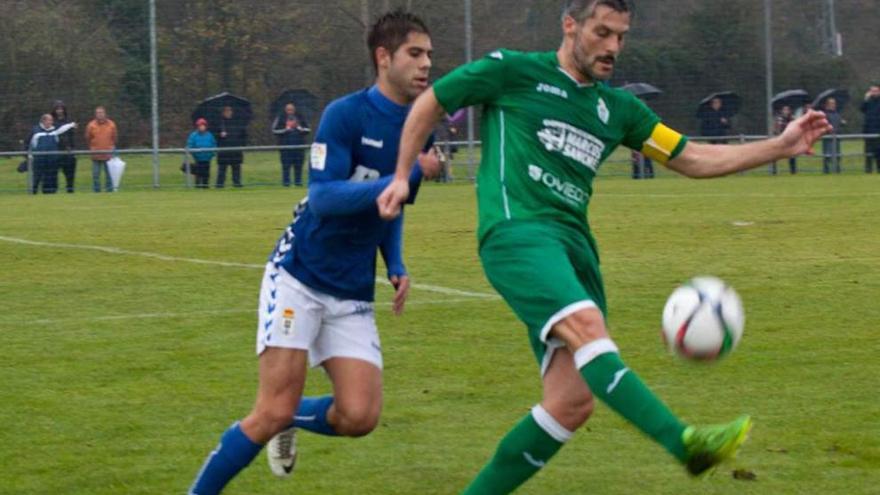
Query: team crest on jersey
(602, 110)
(535, 172)
(574, 143)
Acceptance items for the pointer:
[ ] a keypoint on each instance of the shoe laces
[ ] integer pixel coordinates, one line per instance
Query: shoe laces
(285, 442)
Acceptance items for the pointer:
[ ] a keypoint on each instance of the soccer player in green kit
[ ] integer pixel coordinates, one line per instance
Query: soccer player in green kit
(548, 123)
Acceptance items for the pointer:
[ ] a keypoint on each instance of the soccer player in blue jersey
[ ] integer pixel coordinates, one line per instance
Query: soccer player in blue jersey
(316, 300)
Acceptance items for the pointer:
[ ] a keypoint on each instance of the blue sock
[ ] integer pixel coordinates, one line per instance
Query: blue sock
(233, 454)
(312, 415)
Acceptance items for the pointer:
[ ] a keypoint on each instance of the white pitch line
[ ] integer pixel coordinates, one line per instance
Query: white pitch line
(164, 257)
(447, 290)
(190, 314)
(115, 250)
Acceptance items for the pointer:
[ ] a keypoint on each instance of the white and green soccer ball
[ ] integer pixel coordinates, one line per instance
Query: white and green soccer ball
(703, 319)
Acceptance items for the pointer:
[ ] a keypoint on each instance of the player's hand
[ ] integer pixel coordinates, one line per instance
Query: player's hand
(391, 198)
(401, 291)
(799, 137)
(431, 163)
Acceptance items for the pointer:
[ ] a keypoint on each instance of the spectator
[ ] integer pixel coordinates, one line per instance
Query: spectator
(201, 138)
(714, 121)
(101, 136)
(444, 132)
(291, 130)
(44, 137)
(831, 143)
(643, 167)
(780, 122)
(871, 108)
(231, 133)
(67, 163)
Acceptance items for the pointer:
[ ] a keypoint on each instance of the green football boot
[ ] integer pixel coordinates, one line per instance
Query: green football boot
(708, 446)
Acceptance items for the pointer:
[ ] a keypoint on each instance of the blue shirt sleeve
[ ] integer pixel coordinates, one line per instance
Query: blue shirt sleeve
(191, 140)
(344, 197)
(392, 248)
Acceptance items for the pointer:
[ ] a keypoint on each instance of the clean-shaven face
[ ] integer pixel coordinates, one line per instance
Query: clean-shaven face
(598, 42)
(411, 64)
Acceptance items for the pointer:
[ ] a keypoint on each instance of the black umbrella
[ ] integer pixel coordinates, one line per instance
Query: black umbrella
(211, 109)
(306, 103)
(793, 98)
(642, 90)
(729, 103)
(841, 95)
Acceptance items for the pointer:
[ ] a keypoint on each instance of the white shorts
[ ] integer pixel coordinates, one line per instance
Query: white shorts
(293, 316)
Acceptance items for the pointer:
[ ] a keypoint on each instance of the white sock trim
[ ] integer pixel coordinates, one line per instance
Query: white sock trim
(591, 351)
(549, 424)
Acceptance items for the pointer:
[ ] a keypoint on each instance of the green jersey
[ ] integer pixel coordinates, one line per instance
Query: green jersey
(545, 135)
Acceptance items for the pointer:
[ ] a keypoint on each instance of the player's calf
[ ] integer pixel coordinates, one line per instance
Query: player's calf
(265, 422)
(566, 396)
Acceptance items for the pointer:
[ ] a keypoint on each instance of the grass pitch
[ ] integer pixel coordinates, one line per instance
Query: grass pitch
(120, 369)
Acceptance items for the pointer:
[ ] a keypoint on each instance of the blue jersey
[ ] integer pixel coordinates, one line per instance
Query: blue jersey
(331, 244)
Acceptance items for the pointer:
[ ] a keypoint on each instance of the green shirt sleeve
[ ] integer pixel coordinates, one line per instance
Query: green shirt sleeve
(640, 124)
(474, 83)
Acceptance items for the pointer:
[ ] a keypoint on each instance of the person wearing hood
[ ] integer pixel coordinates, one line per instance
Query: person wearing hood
(44, 138)
(66, 163)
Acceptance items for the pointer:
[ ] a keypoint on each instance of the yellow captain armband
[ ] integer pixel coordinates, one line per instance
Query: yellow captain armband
(663, 145)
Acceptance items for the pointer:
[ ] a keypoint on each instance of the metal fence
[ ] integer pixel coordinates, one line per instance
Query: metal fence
(261, 167)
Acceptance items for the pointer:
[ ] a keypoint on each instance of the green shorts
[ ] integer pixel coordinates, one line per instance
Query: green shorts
(545, 272)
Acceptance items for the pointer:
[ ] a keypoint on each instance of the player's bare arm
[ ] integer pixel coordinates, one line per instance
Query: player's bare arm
(699, 160)
(425, 114)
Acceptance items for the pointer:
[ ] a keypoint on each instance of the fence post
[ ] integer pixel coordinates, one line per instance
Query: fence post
(836, 148)
(30, 173)
(187, 169)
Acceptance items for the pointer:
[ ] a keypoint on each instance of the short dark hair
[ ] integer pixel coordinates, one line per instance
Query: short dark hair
(391, 30)
(581, 10)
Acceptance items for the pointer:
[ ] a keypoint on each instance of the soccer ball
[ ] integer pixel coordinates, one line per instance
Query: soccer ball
(703, 319)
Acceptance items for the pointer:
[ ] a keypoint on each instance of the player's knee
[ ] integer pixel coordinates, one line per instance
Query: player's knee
(580, 410)
(571, 412)
(357, 420)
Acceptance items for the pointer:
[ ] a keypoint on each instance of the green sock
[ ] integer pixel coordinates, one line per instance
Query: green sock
(521, 454)
(622, 390)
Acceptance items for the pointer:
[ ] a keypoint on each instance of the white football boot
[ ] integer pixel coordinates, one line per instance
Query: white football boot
(281, 453)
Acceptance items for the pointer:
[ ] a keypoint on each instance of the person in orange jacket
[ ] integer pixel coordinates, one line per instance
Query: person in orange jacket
(101, 135)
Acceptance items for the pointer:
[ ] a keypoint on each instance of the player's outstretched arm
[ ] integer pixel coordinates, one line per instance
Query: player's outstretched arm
(700, 160)
(423, 116)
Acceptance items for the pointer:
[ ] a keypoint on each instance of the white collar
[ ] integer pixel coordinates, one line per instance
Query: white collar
(573, 79)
